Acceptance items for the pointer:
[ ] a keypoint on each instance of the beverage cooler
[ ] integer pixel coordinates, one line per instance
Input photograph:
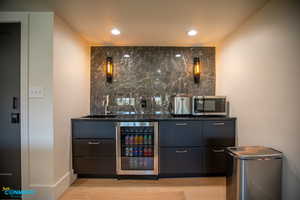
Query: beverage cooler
(137, 148)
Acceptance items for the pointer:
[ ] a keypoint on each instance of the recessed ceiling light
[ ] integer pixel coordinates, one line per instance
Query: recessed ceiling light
(178, 55)
(126, 56)
(115, 31)
(192, 32)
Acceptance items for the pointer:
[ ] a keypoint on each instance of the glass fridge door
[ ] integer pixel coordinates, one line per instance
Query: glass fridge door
(137, 149)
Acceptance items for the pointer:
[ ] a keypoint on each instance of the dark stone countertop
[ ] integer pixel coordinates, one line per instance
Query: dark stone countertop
(153, 117)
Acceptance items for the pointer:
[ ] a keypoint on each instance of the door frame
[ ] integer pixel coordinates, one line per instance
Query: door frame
(23, 18)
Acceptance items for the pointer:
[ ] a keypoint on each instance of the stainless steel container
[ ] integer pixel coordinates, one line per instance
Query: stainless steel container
(254, 173)
(181, 105)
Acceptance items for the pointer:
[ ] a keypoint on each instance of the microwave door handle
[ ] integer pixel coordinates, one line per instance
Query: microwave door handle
(204, 102)
(181, 106)
(198, 106)
(202, 106)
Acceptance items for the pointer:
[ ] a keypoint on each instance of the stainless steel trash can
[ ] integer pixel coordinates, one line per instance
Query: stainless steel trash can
(254, 173)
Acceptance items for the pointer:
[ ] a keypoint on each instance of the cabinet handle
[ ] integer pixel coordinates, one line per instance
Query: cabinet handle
(218, 150)
(181, 124)
(183, 151)
(6, 174)
(219, 124)
(94, 143)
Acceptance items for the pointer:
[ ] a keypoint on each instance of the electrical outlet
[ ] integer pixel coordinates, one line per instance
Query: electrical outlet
(36, 92)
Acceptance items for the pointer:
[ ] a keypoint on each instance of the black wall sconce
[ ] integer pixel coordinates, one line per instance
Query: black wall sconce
(109, 69)
(197, 70)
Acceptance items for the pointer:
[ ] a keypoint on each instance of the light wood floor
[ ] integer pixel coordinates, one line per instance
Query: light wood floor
(213, 188)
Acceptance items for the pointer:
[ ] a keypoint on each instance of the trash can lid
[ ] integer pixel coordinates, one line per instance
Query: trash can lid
(254, 152)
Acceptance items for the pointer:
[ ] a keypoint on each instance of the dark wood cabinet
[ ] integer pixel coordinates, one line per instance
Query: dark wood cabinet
(219, 133)
(186, 147)
(93, 129)
(94, 156)
(214, 161)
(181, 161)
(180, 133)
(195, 147)
(100, 166)
(180, 148)
(94, 148)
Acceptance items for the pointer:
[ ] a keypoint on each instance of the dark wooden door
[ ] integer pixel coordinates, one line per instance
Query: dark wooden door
(10, 139)
(180, 133)
(215, 162)
(93, 129)
(94, 147)
(219, 133)
(181, 161)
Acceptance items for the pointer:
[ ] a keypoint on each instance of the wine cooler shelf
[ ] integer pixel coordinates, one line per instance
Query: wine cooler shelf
(137, 151)
(137, 139)
(133, 163)
(137, 130)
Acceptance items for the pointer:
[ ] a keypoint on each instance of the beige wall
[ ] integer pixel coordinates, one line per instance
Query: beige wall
(258, 68)
(71, 84)
(58, 63)
(41, 109)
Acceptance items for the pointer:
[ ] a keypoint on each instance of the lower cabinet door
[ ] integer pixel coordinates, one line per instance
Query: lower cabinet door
(180, 161)
(215, 161)
(105, 166)
(93, 147)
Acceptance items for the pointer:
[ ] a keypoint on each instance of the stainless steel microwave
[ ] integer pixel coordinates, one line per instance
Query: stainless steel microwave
(209, 105)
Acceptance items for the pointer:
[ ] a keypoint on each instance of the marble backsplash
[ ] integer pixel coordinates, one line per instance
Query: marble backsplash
(148, 75)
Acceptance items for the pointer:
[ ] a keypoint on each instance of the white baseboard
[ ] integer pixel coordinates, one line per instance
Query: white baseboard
(61, 185)
(53, 192)
(73, 177)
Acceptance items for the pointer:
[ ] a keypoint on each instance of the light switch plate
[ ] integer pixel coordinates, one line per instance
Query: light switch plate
(36, 92)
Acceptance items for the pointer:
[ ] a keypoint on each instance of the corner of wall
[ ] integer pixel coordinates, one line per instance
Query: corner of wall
(53, 191)
(71, 69)
(40, 109)
(219, 46)
(258, 69)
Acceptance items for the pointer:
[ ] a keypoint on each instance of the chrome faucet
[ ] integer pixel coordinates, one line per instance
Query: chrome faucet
(106, 104)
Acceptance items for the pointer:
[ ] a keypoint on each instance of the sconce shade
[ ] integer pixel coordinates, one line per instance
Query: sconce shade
(109, 69)
(197, 70)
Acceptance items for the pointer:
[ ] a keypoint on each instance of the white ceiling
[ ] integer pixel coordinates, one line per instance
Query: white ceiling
(148, 22)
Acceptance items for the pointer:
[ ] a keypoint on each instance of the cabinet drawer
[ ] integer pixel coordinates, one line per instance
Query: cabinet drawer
(100, 166)
(215, 161)
(180, 133)
(93, 129)
(219, 133)
(180, 161)
(93, 147)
